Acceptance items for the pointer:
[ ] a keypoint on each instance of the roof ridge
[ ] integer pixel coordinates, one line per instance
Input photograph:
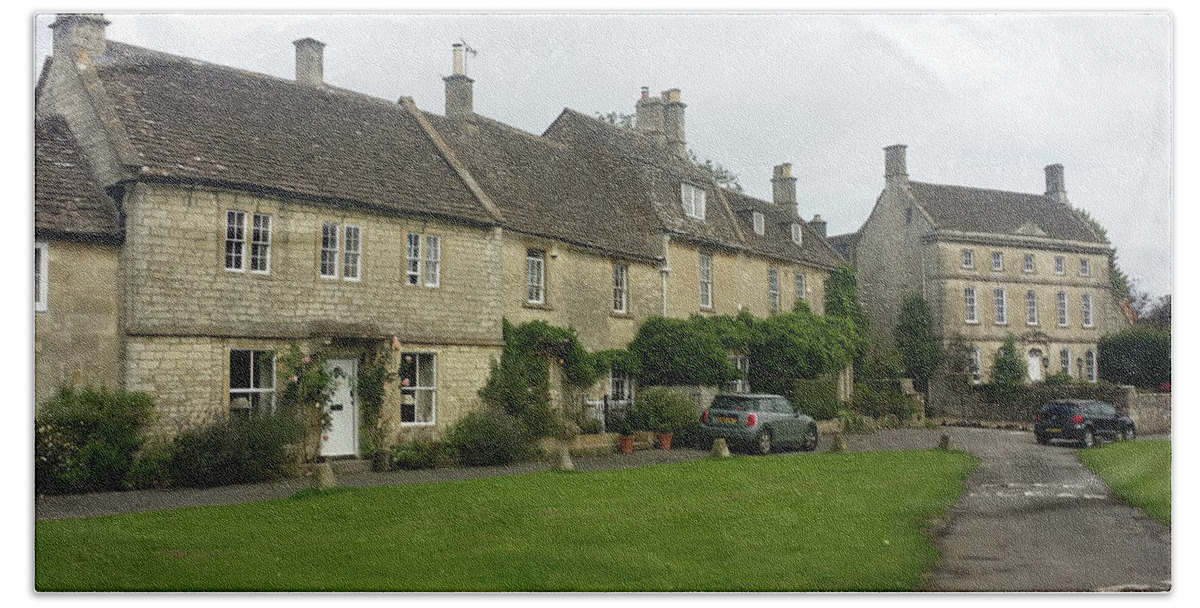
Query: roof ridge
(977, 188)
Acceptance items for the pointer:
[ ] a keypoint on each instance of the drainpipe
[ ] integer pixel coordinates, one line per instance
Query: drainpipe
(665, 269)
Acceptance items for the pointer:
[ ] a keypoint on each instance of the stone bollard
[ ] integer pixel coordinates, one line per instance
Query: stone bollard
(720, 448)
(839, 442)
(944, 443)
(564, 459)
(322, 476)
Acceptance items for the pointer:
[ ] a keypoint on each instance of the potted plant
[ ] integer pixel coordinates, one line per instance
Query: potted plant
(621, 425)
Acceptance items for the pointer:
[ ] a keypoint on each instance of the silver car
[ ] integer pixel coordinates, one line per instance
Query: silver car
(758, 423)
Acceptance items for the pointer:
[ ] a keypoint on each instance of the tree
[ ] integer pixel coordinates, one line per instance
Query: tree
(1117, 280)
(1158, 315)
(1008, 369)
(620, 119)
(920, 350)
(800, 345)
(719, 174)
(841, 300)
(1140, 356)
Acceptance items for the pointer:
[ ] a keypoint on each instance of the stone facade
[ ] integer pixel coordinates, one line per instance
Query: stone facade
(740, 282)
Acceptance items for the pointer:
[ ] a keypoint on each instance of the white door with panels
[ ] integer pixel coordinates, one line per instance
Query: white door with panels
(342, 437)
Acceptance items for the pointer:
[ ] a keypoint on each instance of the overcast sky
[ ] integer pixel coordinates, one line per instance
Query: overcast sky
(980, 100)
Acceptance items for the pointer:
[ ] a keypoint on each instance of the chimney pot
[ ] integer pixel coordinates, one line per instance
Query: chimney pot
(84, 31)
(458, 68)
(783, 186)
(645, 92)
(460, 95)
(310, 62)
(895, 165)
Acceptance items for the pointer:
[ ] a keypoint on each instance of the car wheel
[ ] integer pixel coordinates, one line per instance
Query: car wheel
(1128, 434)
(810, 439)
(1042, 439)
(764, 442)
(1088, 440)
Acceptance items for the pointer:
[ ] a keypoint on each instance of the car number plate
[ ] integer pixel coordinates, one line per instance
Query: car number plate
(725, 420)
(1053, 430)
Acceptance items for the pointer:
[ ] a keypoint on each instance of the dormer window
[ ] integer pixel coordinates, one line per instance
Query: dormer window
(797, 234)
(760, 226)
(692, 199)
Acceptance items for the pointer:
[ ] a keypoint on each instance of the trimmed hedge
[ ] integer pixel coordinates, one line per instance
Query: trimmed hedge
(816, 398)
(241, 450)
(880, 398)
(489, 437)
(675, 352)
(1140, 356)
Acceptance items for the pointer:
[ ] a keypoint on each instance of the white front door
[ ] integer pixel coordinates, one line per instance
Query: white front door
(1035, 365)
(342, 437)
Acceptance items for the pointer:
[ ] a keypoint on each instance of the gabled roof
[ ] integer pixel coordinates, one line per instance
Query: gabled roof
(979, 210)
(198, 122)
(68, 200)
(776, 240)
(845, 243)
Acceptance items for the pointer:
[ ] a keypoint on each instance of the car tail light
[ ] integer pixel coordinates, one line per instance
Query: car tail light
(1078, 419)
(704, 417)
(1037, 417)
(751, 420)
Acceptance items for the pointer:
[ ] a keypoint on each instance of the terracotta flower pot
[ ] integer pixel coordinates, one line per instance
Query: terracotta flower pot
(664, 440)
(627, 444)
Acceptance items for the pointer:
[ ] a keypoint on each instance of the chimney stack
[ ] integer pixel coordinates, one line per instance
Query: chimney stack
(783, 186)
(1056, 183)
(83, 31)
(673, 123)
(310, 62)
(895, 166)
(818, 224)
(650, 116)
(460, 98)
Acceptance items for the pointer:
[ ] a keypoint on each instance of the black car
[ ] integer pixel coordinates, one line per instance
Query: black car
(1081, 421)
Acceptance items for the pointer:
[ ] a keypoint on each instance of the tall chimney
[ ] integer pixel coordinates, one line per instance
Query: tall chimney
(783, 186)
(650, 116)
(673, 123)
(895, 166)
(83, 31)
(818, 224)
(1056, 183)
(310, 62)
(460, 98)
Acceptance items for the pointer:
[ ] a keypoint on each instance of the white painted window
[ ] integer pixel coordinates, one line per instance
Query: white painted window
(620, 387)
(329, 250)
(741, 365)
(1031, 312)
(1085, 302)
(760, 225)
(1085, 267)
(1089, 366)
(260, 244)
(797, 234)
(800, 293)
(997, 260)
(1062, 309)
(773, 289)
(706, 281)
(971, 314)
(1029, 267)
(535, 265)
(41, 276)
(1064, 360)
(235, 240)
(352, 259)
(692, 198)
(413, 259)
(251, 381)
(418, 388)
(976, 366)
(433, 260)
(1000, 298)
(1060, 264)
(620, 287)
(968, 259)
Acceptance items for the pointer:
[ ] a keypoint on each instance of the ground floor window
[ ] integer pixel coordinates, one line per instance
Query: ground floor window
(741, 364)
(1089, 366)
(418, 388)
(620, 386)
(251, 381)
(1065, 360)
(976, 366)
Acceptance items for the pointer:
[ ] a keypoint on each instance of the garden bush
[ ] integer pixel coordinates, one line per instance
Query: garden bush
(489, 437)
(86, 439)
(675, 352)
(816, 398)
(1140, 356)
(241, 450)
(418, 454)
(878, 400)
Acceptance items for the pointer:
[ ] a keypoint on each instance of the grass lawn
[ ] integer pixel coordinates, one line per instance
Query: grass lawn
(1139, 472)
(785, 523)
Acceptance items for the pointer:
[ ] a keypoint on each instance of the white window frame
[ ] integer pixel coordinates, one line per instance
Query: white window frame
(800, 287)
(1089, 365)
(760, 223)
(260, 244)
(330, 250)
(1031, 311)
(997, 261)
(412, 259)
(620, 287)
(970, 305)
(1085, 267)
(352, 257)
(797, 234)
(968, 259)
(1000, 299)
(1064, 360)
(41, 276)
(235, 240)
(773, 289)
(706, 280)
(433, 260)
(692, 198)
(1064, 318)
(1085, 304)
(414, 388)
(976, 366)
(1060, 264)
(620, 387)
(535, 276)
(249, 392)
(741, 364)
(1030, 264)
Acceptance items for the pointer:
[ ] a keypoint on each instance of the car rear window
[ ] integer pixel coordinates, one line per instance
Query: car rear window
(1059, 408)
(723, 402)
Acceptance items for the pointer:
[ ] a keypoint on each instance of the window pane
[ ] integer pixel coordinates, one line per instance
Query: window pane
(264, 369)
(424, 405)
(433, 263)
(235, 239)
(329, 249)
(800, 286)
(240, 368)
(413, 259)
(260, 246)
(535, 274)
(425, 371)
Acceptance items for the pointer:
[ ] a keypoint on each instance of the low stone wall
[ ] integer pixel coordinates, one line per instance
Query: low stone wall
(1151, 412)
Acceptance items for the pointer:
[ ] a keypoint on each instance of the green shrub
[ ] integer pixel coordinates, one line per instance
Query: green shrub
(242, 450)
(418, 454)
(920, 350)
(590, 426)
(151, 467)
(620, 424)
(816, 398)
(663, 410)
(489, 437)
(85, 439)
(1008, 369)
(852, 422)
(800, 345)
(675, 352)
(1140, 356)
(879, 399)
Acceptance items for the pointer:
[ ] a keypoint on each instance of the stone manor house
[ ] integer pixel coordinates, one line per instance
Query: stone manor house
(192, 219)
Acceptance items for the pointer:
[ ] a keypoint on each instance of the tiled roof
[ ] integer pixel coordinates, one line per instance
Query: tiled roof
(68, 201)
(845, 243)
(776, 239)
(999, 212)
(191, 120)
